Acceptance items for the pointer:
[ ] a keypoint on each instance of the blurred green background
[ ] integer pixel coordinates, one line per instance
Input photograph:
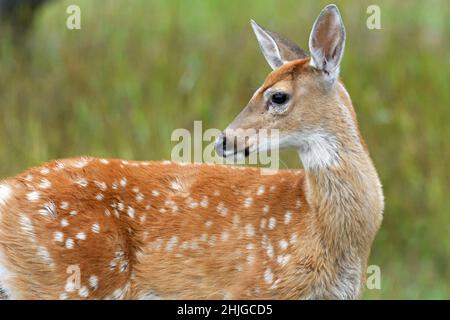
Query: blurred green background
(139, 69)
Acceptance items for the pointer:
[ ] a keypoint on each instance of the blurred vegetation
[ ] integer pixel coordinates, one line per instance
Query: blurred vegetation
(139, 69)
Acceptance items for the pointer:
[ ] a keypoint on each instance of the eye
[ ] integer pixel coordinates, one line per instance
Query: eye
(279, 98)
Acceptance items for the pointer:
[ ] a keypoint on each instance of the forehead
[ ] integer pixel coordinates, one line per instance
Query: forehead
(285, 72)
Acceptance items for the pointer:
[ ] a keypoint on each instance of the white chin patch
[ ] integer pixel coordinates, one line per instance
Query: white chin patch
(5, 194)
(319, 150)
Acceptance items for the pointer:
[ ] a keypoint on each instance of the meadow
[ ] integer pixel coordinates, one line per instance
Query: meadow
(139, 69)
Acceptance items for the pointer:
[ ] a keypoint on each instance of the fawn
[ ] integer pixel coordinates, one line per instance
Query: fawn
(166, 230)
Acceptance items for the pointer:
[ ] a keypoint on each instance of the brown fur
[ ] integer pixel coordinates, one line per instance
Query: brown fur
(168, 230)
(335, 213)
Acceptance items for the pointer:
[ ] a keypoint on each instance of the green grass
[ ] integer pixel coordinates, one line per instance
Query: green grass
(139, 69)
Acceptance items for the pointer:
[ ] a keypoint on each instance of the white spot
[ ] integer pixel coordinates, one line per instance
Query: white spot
(261, 190)
(45, 171)
(49, 210)
(208, 224)
(80, 163)
(191, 203)
(131, 212)
(115, 185)
(81, 236)
(269, 250)
(64, 205)
(216, 193)
(171, 243)
(29, 178)
(83, 292)
(272, 223)
(298, 203)
(73, 213)
(283, 244)
(204, 202)
(95, 228)
(155, 193)
(177, 185)
(139, 197)
(59, 166)
(283, 260)
(293, 239)
(101, 185)
(27, 226)
(81, 182)
(225, 236)
(266, 208)
(263, 223)
(268, 276)
(33, 196)
(45, 184)
(44, 255)
(248, 202)
(64, 222)
(123, 182)
(250, 246)
(250, 259)
(99, 197)
(172, 205)
(249, 230)
(104, 161)
(120, 206)
(93, 282)
(123, 266)
(221, 209)
(69, 243)
(121, 292)
(287, 217)
(58, 236)
(63, 296)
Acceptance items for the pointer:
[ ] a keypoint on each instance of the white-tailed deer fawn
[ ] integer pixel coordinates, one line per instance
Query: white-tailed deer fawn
(127, 230)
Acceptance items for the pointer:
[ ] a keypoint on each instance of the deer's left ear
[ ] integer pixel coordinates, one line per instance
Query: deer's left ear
(276, 49)
(327, 42)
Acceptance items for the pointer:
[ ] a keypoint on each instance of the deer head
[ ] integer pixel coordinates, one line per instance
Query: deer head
(299, 97)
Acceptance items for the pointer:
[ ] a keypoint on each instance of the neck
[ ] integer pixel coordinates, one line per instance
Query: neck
(343, 188)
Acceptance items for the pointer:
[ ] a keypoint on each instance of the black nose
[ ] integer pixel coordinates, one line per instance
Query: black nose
(221, 145)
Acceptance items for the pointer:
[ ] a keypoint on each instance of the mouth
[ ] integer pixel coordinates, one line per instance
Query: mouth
(232, 151)
(236, 154)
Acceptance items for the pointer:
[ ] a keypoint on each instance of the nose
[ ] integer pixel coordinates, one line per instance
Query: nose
(221, 145)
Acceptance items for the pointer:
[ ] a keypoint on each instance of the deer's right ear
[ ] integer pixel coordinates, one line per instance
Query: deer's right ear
(276, 49)
(327, 41)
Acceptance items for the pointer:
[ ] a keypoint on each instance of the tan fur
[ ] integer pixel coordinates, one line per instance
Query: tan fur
(169, 230)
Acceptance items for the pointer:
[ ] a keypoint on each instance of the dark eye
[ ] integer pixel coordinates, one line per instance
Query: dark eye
(279, 98)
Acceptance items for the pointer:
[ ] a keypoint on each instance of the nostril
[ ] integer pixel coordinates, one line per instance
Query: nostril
(224, 142)
(221, 145)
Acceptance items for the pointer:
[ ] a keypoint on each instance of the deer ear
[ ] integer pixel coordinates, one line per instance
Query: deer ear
(327, 41)
(276, 49)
